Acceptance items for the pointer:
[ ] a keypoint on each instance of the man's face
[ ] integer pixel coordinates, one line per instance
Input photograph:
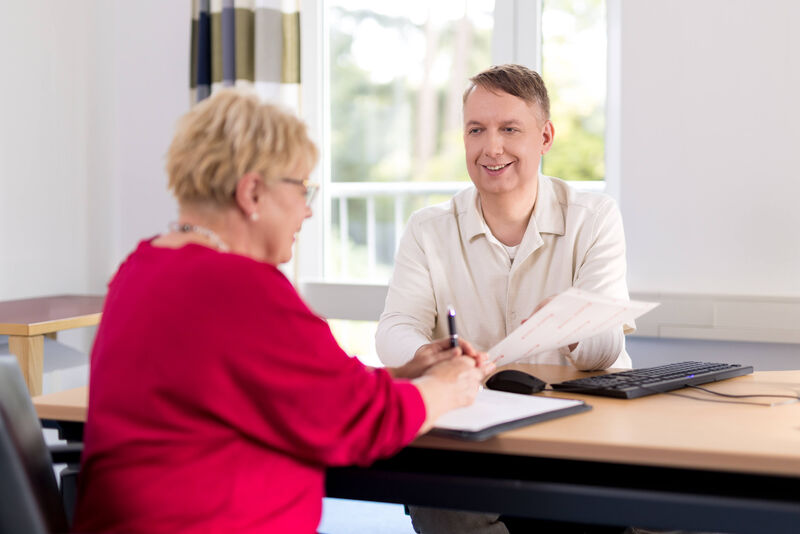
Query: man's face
(504, 139)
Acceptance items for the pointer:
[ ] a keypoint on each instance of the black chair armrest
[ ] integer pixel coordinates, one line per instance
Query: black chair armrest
(69, 453)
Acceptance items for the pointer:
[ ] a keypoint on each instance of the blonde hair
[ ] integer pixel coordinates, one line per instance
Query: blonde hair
(229, 135)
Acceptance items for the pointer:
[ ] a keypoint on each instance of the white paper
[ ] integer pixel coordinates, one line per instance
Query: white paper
(570, 317)
(496, 407)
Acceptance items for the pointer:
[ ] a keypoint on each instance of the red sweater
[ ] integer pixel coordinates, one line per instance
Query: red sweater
(217, 398)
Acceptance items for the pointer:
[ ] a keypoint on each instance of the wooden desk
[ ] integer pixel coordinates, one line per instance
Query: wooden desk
(668, 430)
(69, 405)
(663, 461)
(27, 321)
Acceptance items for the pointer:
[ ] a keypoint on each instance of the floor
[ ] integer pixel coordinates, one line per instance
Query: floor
(341, 516)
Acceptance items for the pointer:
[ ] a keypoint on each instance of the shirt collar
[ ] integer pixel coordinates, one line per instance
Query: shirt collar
(548, 215)
(474, 224)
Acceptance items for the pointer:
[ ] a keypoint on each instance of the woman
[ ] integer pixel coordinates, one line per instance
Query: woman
(217, 398)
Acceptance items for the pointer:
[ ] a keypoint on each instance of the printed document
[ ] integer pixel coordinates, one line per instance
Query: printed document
(570, 317)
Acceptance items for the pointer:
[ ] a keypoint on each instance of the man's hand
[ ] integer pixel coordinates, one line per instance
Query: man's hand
(541, 305)
(438, 351)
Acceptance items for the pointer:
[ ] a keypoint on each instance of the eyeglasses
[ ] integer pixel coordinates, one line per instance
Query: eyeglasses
(310, 188)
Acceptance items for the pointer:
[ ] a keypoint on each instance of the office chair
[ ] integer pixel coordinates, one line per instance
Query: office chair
(29, 497)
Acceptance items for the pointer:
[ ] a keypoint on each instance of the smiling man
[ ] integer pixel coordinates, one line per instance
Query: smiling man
(499, 250)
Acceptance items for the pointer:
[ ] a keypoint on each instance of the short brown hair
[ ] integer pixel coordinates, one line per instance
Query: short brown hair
(515, 80)
(229, 135)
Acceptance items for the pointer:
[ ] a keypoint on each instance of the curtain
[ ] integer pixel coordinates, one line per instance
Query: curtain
(246, 43)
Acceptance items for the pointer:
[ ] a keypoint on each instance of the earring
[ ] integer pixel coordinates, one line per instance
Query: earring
(254, 216)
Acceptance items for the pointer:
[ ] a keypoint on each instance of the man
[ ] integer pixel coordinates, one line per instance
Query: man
(500, 250)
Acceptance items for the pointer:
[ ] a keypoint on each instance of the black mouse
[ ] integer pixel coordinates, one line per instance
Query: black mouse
(515, 381)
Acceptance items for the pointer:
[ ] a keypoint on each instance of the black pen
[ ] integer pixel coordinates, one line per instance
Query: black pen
(451, 326)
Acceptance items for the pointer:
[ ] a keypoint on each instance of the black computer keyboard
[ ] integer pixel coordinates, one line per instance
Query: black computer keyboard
(650, 380)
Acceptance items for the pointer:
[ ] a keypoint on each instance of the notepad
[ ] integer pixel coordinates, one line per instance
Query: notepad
(498, 411)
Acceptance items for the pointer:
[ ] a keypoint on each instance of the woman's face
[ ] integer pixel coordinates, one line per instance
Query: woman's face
(281, 215)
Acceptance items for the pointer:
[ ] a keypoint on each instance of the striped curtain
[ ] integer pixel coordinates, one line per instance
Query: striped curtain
(246, 43)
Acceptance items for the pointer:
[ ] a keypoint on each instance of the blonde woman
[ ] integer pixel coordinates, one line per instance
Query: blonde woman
(217, 398)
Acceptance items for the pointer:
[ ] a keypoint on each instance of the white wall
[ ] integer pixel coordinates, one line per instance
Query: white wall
(709, 176)
(140, 74)
(88, 105)
(710, 126)
(87, 108)
(44, 48)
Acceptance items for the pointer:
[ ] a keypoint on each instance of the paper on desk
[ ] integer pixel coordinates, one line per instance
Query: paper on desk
(570, 317)
(493, 408)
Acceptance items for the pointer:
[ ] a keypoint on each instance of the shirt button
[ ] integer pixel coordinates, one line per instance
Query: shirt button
(513, 315)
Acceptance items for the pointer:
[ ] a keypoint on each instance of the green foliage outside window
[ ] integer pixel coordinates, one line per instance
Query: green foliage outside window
(574, 70)
(380, 130)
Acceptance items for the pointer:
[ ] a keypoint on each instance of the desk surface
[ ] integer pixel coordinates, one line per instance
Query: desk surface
(668, 430)
(665, 430)
(28, 317)
(68, 405)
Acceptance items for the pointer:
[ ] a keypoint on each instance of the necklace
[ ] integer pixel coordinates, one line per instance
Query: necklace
(186, 228)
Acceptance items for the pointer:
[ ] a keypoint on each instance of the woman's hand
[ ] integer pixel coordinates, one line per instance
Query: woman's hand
(435, 352)
(450, 384)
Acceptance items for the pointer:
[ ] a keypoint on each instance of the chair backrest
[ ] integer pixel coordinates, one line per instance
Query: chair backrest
(19, 511)
(22, 435)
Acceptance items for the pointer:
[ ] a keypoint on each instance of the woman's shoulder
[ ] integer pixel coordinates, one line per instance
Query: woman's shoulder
(198, 265)
(228, 269)
(207, 274)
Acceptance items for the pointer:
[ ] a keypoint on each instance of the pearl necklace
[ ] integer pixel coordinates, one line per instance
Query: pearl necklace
(186, 228)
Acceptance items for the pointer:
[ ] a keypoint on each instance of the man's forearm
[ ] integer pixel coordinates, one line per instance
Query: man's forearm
(597, 352)
(396, 341)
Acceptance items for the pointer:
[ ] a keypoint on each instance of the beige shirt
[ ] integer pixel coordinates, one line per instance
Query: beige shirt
(448, 256)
